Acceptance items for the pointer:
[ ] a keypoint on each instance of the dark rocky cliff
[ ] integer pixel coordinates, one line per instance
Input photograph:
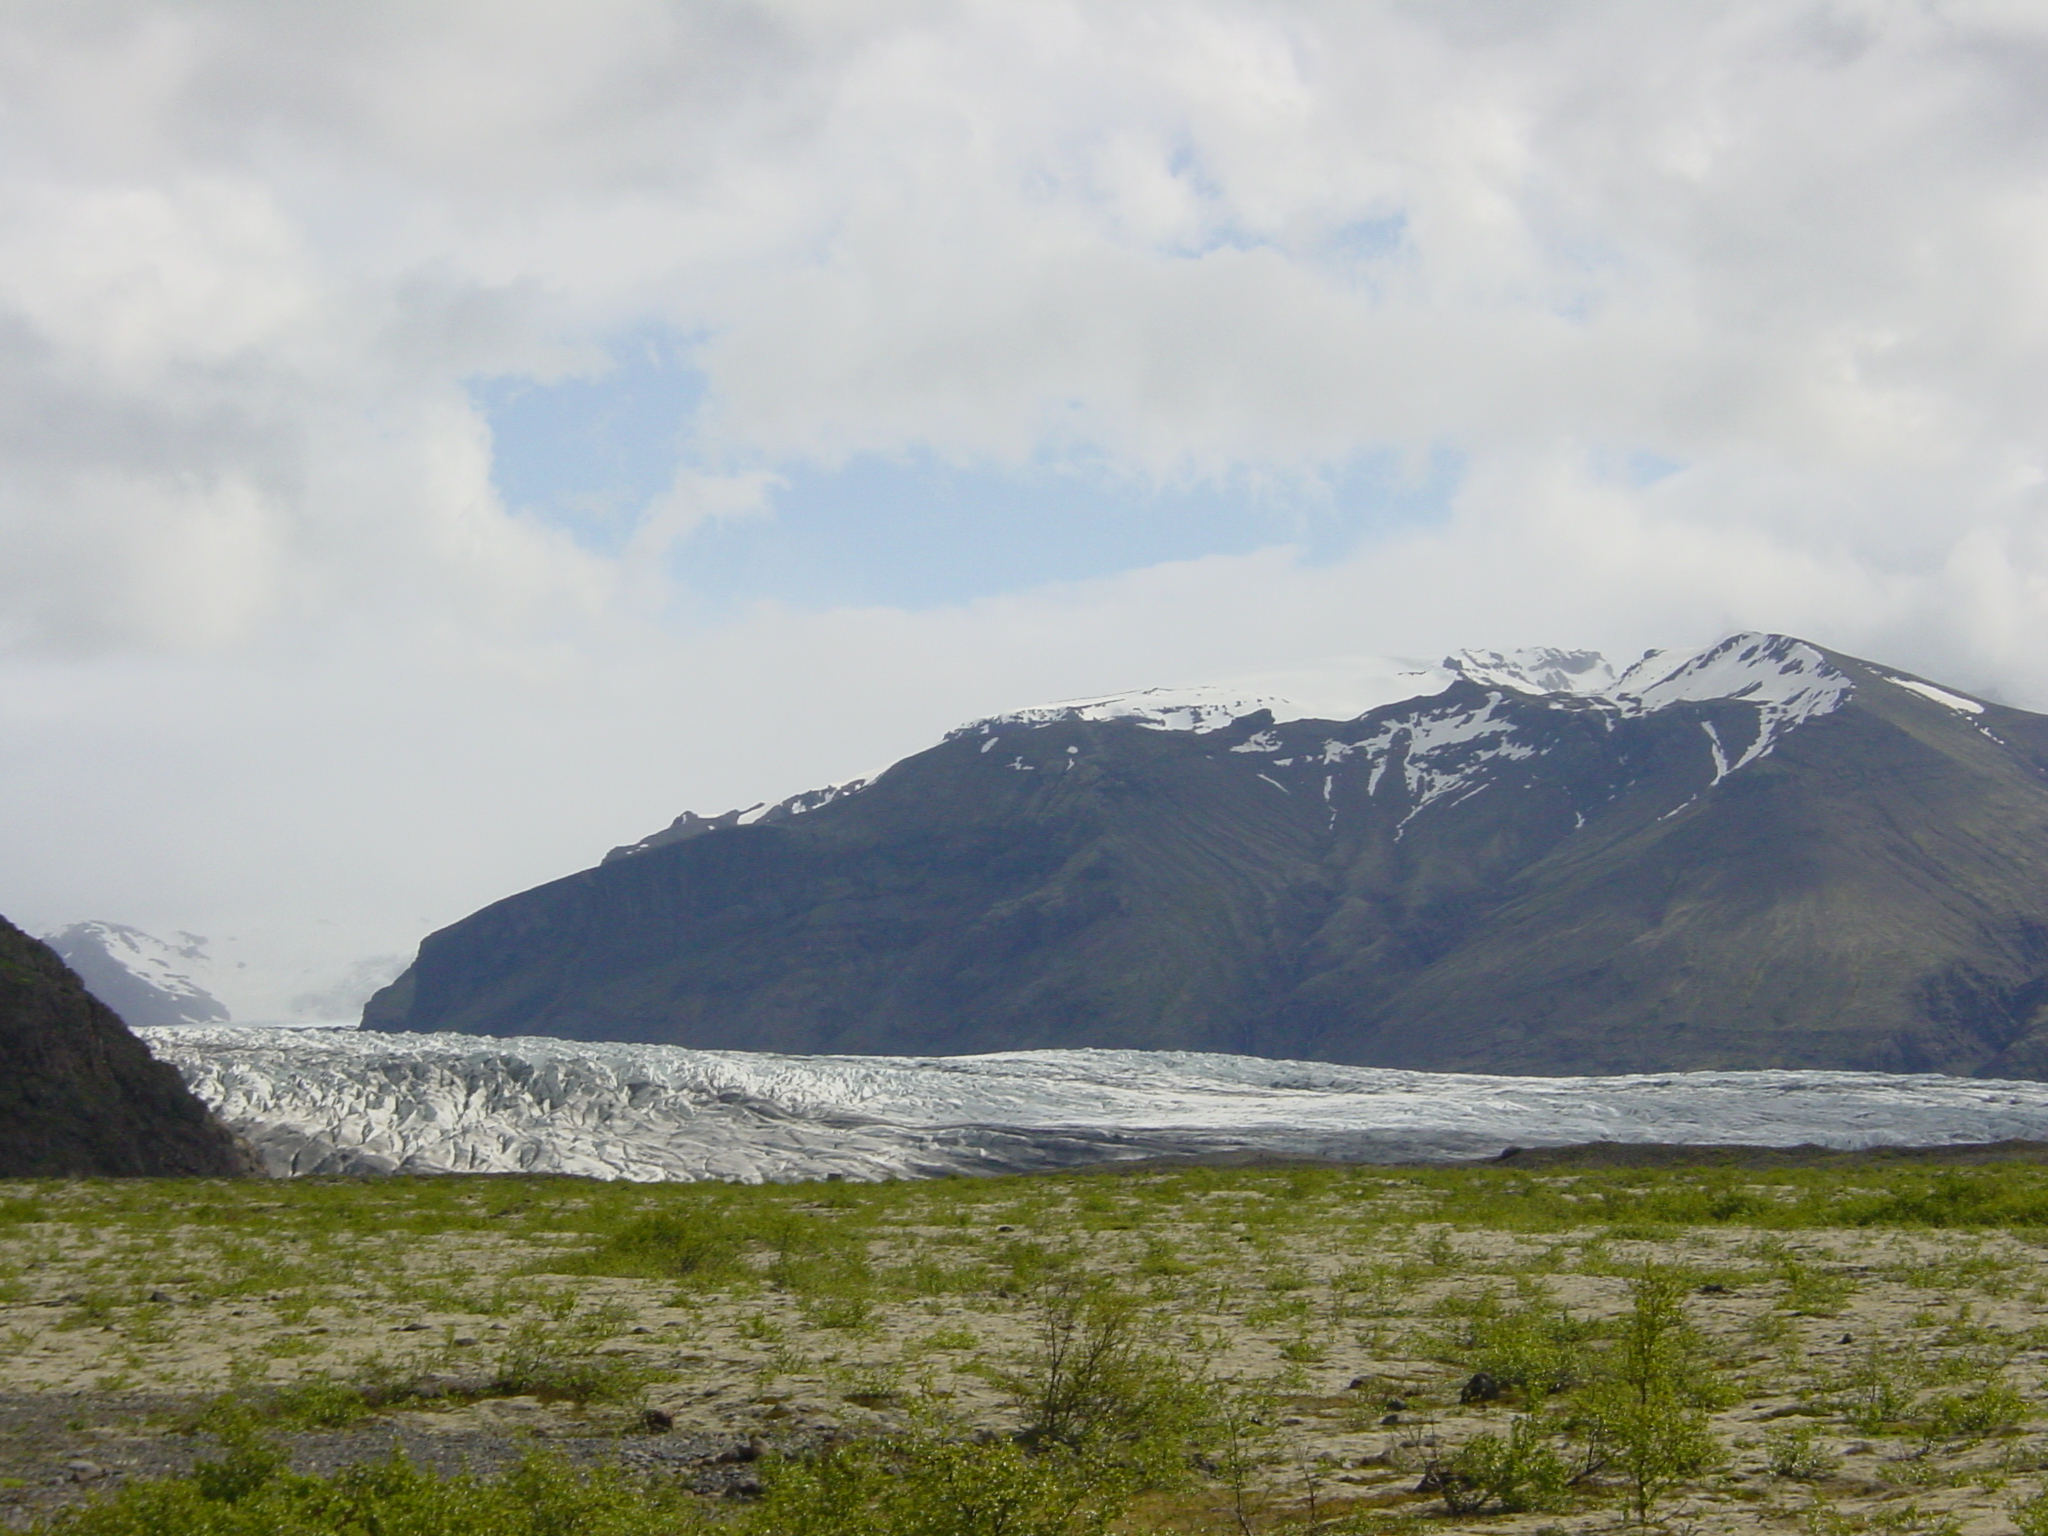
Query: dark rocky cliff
(82, 1097)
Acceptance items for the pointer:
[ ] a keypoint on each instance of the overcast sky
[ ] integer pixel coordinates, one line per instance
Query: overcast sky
(440, 441)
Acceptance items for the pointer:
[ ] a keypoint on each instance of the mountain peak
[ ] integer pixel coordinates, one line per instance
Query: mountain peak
(1757, 667)
(146, 980)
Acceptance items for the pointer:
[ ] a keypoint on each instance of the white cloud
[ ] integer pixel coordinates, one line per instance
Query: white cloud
(272, 650)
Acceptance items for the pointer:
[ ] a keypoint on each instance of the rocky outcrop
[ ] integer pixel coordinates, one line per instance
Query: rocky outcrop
(82, 1097)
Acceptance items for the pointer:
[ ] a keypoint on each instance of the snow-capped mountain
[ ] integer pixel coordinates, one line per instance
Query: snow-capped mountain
(146, 980)
(345, 1102)
(1761, 854)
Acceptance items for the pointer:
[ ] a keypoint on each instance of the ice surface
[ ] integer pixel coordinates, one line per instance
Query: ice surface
(344, 1101)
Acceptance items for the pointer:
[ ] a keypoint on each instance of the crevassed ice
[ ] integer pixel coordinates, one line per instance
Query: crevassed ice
(343, 1101)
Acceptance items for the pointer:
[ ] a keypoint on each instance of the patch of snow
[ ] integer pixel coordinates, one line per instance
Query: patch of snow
(1954, 701)
(331, 1101)
(1719, 752)
(1443, 749)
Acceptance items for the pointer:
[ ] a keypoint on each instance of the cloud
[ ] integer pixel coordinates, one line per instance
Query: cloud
(1730, 314)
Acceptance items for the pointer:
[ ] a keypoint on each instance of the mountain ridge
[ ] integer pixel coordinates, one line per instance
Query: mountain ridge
(1761, 854)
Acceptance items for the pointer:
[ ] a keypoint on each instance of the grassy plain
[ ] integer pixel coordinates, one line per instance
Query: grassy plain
(1859, 1347)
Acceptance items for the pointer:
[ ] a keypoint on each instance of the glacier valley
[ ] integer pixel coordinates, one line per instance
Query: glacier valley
(347, 1101)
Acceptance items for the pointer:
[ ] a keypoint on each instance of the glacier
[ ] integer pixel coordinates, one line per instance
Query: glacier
(340, 1101)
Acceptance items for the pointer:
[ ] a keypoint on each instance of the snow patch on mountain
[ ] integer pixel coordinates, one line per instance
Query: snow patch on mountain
(1440, 751)
(1337, 690)
(1941, 696)
(335, 1101)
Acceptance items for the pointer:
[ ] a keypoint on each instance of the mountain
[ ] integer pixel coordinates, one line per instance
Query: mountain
(82, 1097)
(1760, 855)
(149, 982)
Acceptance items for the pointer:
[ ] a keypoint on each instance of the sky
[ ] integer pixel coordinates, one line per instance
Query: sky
(440, 441)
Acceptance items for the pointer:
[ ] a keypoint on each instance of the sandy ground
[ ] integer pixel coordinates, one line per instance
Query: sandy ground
(109, 1338)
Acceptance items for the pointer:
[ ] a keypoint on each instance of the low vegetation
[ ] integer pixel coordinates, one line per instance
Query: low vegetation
(1827, 1351)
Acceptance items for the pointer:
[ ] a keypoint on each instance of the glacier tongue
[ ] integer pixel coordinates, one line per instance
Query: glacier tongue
(343, 1101)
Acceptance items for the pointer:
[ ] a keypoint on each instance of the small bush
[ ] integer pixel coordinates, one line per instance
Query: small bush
(1798, 1453)
(700, 1247)
(1992, 1407)
(1536, 1349)
(1878, 1394)
(936, 1489)
(2031, 1515)
(1521, 1470)
(1811, 1292)
(251, 1494)
(542, 1361)
(1645, 1415)
(1090, 1385)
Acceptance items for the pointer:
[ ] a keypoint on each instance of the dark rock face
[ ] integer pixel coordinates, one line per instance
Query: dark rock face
(82, 1097)
(1483, 880)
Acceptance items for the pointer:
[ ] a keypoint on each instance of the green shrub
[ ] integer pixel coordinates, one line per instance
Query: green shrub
(1811, 1292)
(317, 1402)
(1645, 1414)
(1878, 1393)
(935, 1489)
(1536, 1348)
(255, 1496)
(1090, 1384)
(700, 1246)
(1798, 1453)
(550, 1362)
(1521, 1470)
(2031, 1515)
(1993, 1406)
